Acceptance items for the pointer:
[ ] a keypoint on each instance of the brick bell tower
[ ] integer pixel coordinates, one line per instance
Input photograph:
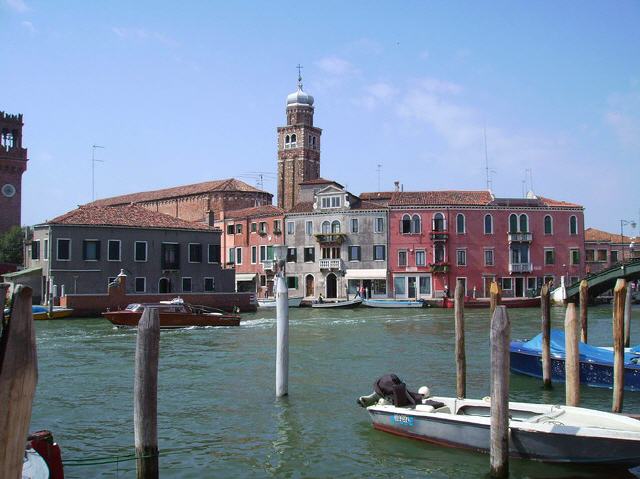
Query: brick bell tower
(13, 163)
(298, 147)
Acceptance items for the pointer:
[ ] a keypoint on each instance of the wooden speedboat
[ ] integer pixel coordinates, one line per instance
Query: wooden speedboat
(352, 303)
(271, 302)
(485, 303)
(42, 312)
(42, 457)
(536, 431)
(596, 364)
(394, 303)
(173, 314)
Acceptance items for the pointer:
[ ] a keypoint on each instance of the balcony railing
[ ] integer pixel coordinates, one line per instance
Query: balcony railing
(440, 267)
(520, 237)
(269, 265)
(520, 267)
(439, 235)
(331, 263)
(334, 238)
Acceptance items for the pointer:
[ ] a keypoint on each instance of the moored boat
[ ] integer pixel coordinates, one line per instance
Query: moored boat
(271, 302)
(352, 303)
(394, 303)
(596, 364)
(485, 302)
(173, 314)
(43, 312)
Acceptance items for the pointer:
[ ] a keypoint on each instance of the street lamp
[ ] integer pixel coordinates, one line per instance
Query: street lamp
(622, 225)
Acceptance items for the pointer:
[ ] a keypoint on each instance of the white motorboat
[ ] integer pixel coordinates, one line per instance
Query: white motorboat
(540, 432)
(352, 303)
(394, 303)
(271, 302)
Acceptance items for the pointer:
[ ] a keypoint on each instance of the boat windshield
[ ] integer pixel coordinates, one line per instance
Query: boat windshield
(135, 307)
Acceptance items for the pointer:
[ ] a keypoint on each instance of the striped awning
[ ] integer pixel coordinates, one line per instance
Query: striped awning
(366, 274)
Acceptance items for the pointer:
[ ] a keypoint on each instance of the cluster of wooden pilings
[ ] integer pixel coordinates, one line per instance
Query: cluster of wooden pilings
(500, 337)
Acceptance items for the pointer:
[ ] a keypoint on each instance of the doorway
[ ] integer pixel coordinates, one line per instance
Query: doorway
(520, 291)
(331, 286)
(164, 286)
(486, 285)
(412, 287)
(309, 290)
(367, 288)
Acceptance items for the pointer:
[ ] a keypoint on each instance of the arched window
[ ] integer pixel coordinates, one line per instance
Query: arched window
(405, 226)
(548, 225)
(573, 225)
(513, 223)
(335, 226)
(488, 224)
(524, 223)
(293, 140)
(326, 227)
(415, 224)
(438, 222)
(460, 226)
(438, 253)
(286, 141)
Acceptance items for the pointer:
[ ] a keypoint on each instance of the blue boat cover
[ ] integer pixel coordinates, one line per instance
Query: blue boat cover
(587, 352)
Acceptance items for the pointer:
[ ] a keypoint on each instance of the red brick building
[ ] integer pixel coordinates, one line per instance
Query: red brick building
(13, 163)
(603, 250)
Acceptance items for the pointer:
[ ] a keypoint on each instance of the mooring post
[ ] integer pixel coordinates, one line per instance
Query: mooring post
(545, 310)
(627, 318)
(619, 297)
(282, 337)
(4, 287)
(18, 379)
(572, 356)
(461, 362)
(584, 303)
(145, 394)
(499, 434)
(494, 297)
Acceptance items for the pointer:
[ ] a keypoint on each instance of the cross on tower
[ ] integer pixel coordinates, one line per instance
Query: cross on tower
(299, 67)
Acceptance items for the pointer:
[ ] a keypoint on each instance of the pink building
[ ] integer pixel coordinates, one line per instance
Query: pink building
(603, 250)
(437, 237)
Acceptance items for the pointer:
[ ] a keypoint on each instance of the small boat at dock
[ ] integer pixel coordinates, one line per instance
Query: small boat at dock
(271, 302)
(485, 302)
(173, 314)
(43, 312)
(394, 303)
(352, 303)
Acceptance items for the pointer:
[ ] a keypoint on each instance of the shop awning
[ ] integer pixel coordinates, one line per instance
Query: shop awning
(245, 276)
(22, 272)
(366, 274)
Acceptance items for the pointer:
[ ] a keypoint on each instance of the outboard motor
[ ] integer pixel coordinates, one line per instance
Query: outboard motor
(392, 389)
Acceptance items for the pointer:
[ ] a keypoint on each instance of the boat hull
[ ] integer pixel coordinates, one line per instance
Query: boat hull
(354, 303)
(129, 319)
(392, 304)
(271, 303)
(484, 302)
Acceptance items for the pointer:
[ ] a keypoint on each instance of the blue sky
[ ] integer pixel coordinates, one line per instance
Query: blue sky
(186, 92)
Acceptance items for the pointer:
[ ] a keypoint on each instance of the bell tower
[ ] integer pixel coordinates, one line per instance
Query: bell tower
(13, 163)
(298, 147)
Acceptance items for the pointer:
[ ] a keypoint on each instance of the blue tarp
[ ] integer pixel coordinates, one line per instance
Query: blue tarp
(587, 352)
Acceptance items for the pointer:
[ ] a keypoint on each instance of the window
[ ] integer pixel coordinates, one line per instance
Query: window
(488, 257)
(266, 253)
(425, 285)
(548, 225)
(63, 249)
(461, 257)
(405, 226)
(213, 253)
(308, 228)
(331, 202)
(91, 250)
(238, 229)
(379, 252)
(488, 224)
(293, 140)
(309, 254)
(416, 227)
(326, 227)
(140, 251)
(263, 280)
(524, 223)
(141, 285)
(209, 285)
(335, 226)
(507, 284)
(438, 222)
(331, 253)
(531, 283)
(276, 227)
(379, 225)
(292, 255)
(46, 250)
(410, 224)
(400, 285)
(354, 253)
(549, 256)
(186, 285)
(254, 227)
(35, 249)
(402, 258)
(195, 253)
(292, 282)
(113, 250)
(238, 255)
(230, 229)
(354, 225)
(460, 224)
(575, 256)
(513, 223)
(291, 227)
(254, 254)
(590, 255)
(602, 254)
(421, 257)
(549, 279)
(263, 227)
(438, 253)
(614, 256)
(231, 257)
(170, 255)
(573, 225)
(287, 140)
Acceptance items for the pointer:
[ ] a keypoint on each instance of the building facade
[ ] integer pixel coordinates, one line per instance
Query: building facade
(604, 250)
(13, 163)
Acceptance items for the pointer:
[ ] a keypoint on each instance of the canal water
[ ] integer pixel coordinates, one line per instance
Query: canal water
(218, 416)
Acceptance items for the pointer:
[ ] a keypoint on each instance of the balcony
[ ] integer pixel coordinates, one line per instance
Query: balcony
(520, 237)
(520, 267)
(439, 235)
(269, 265)
(440, 267)
(331, 264)
(330, 238)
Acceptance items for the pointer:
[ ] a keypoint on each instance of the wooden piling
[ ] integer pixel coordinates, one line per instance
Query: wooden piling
(461, 362)
(282, 337)
(545, 310)
(627, 318)
(584, 303)
(494, 297)
(619, 297)
(572, 356)
(145, 390)
(499, 434)
(18, 379)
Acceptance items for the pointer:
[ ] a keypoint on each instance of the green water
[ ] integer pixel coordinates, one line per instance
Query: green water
(218, 416)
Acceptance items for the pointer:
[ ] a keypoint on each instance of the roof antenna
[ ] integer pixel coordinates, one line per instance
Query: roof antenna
(93, 170)
(379, 168)
(529, 172)
(486, 161)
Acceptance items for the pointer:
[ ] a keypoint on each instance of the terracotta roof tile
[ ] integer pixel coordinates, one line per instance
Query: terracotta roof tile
(593, 234)
(552, 202)
(128, 216)
(256, 211)
(302, 207)
(320, 181)
(453, 197)
(376, 195)
(230, 184)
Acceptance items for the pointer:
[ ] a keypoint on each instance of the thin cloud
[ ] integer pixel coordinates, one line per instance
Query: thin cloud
(18, 6)
(375, 94)
(143, 34)
(335, 66)
(29, 26)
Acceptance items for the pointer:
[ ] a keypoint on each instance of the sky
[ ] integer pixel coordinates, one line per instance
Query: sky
(185, 92)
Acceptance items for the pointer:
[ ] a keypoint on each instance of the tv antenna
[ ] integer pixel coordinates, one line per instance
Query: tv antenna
(379, 169)
(260, 177)
(93, 170)
(528, 173)
(488, 171)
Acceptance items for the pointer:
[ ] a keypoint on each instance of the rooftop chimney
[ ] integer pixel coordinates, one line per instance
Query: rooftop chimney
(396, 185)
